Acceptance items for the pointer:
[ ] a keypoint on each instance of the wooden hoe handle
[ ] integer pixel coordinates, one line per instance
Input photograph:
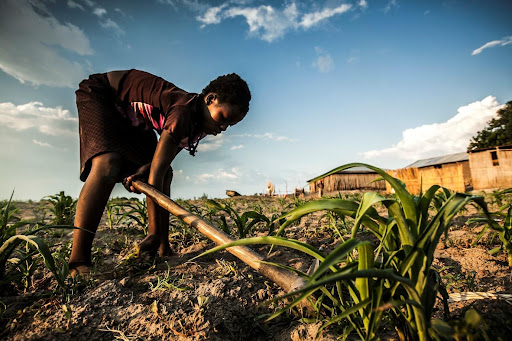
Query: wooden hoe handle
(285, 279)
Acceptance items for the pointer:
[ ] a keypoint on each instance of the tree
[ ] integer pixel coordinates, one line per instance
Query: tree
(497, 133)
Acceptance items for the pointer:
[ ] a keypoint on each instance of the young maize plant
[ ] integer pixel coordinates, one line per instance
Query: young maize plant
(396, 279)
(135, 211)
(244, 223)
(10, 240)
(62, 207)
(504, 232)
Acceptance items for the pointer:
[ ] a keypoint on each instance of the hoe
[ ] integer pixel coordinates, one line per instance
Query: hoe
(286, 280)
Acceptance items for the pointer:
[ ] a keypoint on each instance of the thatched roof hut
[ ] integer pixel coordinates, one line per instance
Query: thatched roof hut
(355, 178)
(491, 167)
(450, 171)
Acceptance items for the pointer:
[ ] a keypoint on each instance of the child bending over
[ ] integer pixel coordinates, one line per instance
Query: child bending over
(118, 114)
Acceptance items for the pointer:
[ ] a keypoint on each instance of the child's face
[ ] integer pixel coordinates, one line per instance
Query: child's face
(220, 116)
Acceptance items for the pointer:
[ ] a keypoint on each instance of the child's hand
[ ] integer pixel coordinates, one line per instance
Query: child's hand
(141, 174)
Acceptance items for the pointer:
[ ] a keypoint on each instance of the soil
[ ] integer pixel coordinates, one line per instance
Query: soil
(217, 297)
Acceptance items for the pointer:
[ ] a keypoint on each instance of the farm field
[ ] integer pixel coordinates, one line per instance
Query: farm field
(218, 297)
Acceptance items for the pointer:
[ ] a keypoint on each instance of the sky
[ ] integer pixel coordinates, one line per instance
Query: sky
(383, 82)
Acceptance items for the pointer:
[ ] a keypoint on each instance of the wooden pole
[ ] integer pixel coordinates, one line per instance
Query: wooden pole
(285, 279)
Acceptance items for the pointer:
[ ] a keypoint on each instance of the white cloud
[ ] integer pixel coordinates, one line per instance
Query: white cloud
(312, 19)
(220, 175)
(195, 5)
(72, 4)
(33, 115)
(46, 145)
(352, 60)
(205, 177)
(323, 62)
(42, 144)
(269, 23)
(99, 11)
(452, 136)
(89, 3)
(109, 23)
(211, 16)
(240, 146)
(363, 4)
(390, 5)
(30, 44)
(268, 136)
(120, 11)
(210, 143)
(502, 42)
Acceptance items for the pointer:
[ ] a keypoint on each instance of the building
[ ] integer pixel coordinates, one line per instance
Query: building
(355, 178)
(482, 169)
(491, 168)
(450, 171)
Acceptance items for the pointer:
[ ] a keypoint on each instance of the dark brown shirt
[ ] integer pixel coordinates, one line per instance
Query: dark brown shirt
(151, 102)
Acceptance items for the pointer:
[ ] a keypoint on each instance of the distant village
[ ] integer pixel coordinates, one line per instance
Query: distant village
(478, 170)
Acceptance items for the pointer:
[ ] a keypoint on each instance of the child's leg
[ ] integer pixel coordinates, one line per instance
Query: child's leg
(164, 249)
(105, 172)
(158, 232)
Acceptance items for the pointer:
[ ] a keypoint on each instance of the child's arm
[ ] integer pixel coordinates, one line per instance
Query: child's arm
(142, 174)
(165, 152)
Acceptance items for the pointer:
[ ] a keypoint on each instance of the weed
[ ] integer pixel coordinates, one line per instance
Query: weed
(226, 268)
(168, 282)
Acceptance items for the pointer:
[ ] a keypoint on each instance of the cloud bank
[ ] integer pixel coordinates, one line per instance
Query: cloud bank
(452, 136)
(270, 23)
(502, 42)
(33, 115)
(219, 175)
(268, 136)
(31, 41)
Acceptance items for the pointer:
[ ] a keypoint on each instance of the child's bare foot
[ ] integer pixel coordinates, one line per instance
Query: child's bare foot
(165, 251)
(79, 268)
(149, 246)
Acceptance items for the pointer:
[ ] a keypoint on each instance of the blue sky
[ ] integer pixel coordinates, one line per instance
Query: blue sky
(333, 82)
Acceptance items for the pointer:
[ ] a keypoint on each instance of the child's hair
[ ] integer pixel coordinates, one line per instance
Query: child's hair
(230, 89)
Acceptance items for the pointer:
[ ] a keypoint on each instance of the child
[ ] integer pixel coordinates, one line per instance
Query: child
(118, 114)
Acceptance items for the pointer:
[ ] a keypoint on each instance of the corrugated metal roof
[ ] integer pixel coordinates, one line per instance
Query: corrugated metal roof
(439, 160)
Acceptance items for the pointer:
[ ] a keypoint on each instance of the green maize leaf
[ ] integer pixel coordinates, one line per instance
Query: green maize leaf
(405, 227)
(286, 267)
(50, 227)
(495, 250)
(336, 256)
(441, 327)
(340, 206)
(41, 247)
(304, 294)
(370, 273)
(405, 197)
(506, 236)
(374, 273)
(294, 244)
(424, 205)
(349, 311)
(432, 233)
(364, 284)
(369, 199)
